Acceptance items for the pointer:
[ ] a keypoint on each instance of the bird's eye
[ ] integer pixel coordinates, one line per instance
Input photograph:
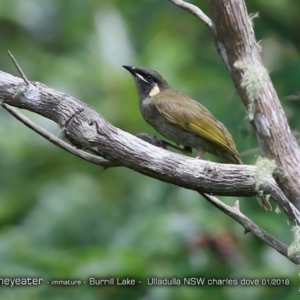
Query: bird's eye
(149, 78)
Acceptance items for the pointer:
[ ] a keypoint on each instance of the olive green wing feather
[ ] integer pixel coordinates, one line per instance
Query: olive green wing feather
(195, 118)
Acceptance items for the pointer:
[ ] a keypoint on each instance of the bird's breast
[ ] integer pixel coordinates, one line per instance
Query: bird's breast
(154, 118)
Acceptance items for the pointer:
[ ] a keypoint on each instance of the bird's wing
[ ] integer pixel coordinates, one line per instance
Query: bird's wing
(194, 118)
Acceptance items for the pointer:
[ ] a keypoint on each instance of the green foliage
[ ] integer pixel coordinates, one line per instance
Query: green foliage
(62, 218)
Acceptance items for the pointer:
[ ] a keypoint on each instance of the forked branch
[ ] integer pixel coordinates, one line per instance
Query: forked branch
(88, 130)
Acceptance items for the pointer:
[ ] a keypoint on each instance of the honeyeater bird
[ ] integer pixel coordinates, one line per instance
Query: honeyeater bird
(183, 120)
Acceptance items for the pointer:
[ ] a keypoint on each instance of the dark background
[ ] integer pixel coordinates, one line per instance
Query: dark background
(61, 217)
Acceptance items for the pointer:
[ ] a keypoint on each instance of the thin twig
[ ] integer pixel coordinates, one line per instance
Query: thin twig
(49, 136)
(255, 150)
(249, 226)
(249, 152)
(58, 142)
(18, 68)
(295, 97)
(194, 10)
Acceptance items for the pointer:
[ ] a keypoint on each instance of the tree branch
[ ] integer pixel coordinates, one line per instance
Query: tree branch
(236, 44)
(59, 142)
(194, 10)
(233, 212)
(232, 26)
(88, 130)
(18, 68)
(250, 226)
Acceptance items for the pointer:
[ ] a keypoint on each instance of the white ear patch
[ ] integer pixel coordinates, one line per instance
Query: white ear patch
(155, 90)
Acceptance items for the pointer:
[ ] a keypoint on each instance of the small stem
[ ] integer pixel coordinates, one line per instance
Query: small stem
(18, 68)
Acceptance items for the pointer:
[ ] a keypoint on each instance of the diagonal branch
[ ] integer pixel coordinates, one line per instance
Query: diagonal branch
(88, 130)
(94, 159)
(18, 68)
(250, 226)
(194, 10)
(232, 26)
(233, 212)
(254, 85)
(57, 141)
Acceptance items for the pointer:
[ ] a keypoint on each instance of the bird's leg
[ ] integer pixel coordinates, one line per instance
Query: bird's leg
(200, 153)
(161, 143)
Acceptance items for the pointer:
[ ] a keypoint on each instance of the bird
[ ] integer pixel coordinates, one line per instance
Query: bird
(183, 120)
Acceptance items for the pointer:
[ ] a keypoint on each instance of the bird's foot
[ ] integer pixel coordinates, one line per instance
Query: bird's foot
(200, 153)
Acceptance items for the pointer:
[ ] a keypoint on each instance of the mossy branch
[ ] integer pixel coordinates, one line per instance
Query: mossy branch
(88, 130)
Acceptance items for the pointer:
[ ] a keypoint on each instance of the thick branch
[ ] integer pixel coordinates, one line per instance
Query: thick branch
(88, 130)
(234, 211)
(235, 41)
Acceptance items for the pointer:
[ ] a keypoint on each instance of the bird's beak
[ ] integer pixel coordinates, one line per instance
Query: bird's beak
(130, 69)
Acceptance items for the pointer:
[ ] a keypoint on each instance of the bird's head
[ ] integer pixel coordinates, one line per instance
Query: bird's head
(148, 82)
